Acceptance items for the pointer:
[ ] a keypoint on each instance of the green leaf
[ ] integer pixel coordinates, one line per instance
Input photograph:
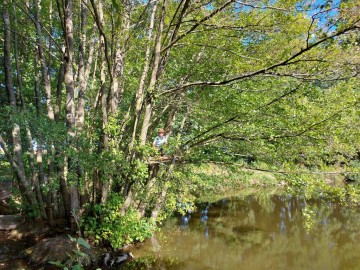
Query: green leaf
(57, 263)
(115, 4)
(77, 267)
(72, 239)
(81, 254)
(82, 242)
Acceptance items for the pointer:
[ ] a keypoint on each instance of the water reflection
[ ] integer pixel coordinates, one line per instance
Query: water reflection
(256, 232)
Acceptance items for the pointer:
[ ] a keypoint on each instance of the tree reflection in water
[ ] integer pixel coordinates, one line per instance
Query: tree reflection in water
(259, 232)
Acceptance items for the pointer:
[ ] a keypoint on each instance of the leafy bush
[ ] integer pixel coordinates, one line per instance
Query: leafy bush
(106, 225)
(310, 186)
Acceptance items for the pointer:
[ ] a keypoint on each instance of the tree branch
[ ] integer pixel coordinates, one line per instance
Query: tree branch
(281, 136)
(263, 70)
(102, 33)
(261, 7)
(197, 24)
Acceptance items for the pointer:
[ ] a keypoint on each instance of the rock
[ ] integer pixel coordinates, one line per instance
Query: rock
(121, 258)
(58, 249)
(106, 259)
(10, 222)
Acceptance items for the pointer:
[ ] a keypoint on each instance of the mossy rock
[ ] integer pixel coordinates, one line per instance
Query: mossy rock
(62, 250)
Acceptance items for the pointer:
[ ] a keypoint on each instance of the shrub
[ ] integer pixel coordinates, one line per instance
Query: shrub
(106, 225)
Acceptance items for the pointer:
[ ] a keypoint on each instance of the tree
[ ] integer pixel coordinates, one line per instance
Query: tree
(229, 78)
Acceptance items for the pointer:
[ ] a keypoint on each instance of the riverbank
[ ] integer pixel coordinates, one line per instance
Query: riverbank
(213, 182)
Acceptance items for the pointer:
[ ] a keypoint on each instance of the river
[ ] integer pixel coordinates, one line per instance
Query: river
(254, 232)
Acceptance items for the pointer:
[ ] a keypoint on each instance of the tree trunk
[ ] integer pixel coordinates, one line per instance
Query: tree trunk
(18, 70)
(162, 196)
(64, 190)
(104, 183)
(139, 98)
(152, 180)
(80, 116)
(90, 58)
(18, 167)
(41, 176)
(69, 80)
(70, 105)
(37, 85)
(7, 62)
(16, 162)
(50, 202)
(153, 79)
(60, 81)
(44, 68)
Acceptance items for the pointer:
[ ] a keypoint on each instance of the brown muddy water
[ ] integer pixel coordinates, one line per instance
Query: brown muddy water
(257, 232)
(252, 233)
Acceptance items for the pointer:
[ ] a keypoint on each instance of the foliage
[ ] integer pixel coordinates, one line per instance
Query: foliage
(106, 224)
(255, 85)
(312, 186)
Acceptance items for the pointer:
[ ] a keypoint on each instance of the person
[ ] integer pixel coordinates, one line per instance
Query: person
(160, 140)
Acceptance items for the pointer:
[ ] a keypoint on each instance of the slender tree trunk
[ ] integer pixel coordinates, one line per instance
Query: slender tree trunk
(94, 75)
(18, 70)
(59, 88)
(159, 202)
(80, 117)
(37, 85)
(21, 97)
(104, 183)
(37, 178)
(117, 88)
(50, 202)
(64, 197)
(153, 79)
(70, 106)
(9, 85)
(41, 176)
(18, 167)
(16, 162)
(118, 72)
(140, 92)
(64, 190)
(154, 170)
(90, 58)
(44, 68)
(51, 12)
(69, 80)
